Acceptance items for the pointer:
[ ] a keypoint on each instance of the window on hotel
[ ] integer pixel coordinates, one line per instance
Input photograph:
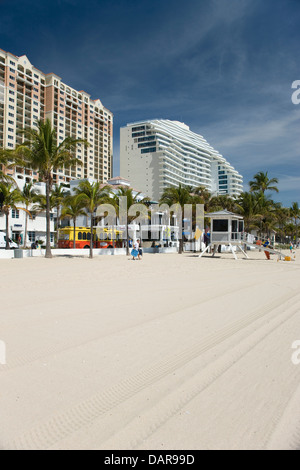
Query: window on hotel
(10, 145)
(10, 129)
(11, 107)
(11, 115)
(31, 236)
(15, 214)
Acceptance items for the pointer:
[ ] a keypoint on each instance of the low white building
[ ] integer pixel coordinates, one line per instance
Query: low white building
(36, 228)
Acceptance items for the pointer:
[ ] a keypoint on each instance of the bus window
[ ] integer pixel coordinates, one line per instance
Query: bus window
(63, 236)
(79, 236)
(84, 236)
(88, 236)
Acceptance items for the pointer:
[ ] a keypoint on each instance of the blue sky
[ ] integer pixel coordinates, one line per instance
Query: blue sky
(224, 67)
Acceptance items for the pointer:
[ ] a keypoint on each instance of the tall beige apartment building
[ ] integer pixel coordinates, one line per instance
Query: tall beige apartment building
(28, 95)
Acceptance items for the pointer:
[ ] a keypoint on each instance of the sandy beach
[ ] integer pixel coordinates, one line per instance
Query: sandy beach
(173, 352)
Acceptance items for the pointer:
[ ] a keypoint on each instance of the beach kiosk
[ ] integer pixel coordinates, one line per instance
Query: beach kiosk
(227, 229)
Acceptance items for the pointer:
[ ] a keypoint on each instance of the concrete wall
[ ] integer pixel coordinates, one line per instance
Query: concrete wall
(9, 254)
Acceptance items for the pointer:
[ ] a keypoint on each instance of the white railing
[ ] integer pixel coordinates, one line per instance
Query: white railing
(231, 237)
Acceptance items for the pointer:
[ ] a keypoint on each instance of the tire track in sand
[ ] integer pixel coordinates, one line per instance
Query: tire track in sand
(51, 349)
(64, 424)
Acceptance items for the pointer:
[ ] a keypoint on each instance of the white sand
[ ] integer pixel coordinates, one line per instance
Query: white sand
(174, 352)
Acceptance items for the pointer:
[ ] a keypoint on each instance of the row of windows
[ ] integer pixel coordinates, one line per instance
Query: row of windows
(84, 236)
(146, 144)
(138, 134)
(150, 150)
(139, 128)
(146, 139)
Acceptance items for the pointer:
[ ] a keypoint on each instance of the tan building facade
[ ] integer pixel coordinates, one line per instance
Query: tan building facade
(28, 95)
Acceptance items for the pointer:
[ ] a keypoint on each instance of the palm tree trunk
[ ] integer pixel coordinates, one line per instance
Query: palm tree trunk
(91, 243)
(26, 229)
(127, 236)
(48, 245)
(74, 235)
(57, 226)
(7, 247)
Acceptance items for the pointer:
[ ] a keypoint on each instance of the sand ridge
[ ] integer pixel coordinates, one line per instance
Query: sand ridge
(173, 352)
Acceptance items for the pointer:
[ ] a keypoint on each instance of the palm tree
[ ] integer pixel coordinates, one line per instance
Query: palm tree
(125, 192)
(28, 198)
(41, 206)
(3, 163)
(262, 183)
(41, 152)
(181, 196)
(223, 202)
(10, 196)
(267, 209)
(6, 161)
(282, 217)
(73, 208)
(58, 195)
(295, 214)
(205, 197)
(92, 196)
(248, 206)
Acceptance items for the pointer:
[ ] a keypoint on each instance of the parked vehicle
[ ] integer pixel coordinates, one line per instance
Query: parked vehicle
(83, 238)
(12, 245)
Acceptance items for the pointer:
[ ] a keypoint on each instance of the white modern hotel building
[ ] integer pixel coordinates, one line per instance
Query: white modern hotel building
(157, 154)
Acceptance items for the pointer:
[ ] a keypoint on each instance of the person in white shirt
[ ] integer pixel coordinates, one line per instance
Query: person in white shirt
(136, 247)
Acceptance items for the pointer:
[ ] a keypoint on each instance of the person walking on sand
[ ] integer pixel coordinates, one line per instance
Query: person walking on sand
(135, 251)
(267, 245)
(140, 256)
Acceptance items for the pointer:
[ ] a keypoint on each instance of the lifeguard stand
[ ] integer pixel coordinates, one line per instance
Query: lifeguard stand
(227, 229)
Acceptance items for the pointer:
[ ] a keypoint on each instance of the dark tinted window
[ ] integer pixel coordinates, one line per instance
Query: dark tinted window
(220, 226)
